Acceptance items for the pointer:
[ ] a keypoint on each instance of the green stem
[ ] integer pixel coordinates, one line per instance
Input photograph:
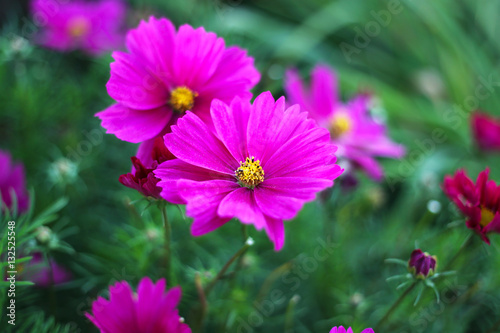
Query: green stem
(394, 306)
(241, 251)
(168, 249)
(203, 303)
(290, 309)
(52, 297)
(460, 250)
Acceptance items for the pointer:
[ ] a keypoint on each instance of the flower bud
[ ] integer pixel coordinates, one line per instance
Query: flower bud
(43, 234)
(422, 264)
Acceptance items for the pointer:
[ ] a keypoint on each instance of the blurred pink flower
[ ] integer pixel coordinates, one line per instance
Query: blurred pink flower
(38, 271)
(341, 329)
(91, 26)
(151, 309)
(486, 130)
(480, 202)
(12, 183)
(168, 72)
(360, 139)
(261, 164)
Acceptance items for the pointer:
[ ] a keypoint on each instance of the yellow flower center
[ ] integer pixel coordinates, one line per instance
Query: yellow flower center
(340, 124)
(78, 27)
(182, 99)
(250, 173)
(487, 217)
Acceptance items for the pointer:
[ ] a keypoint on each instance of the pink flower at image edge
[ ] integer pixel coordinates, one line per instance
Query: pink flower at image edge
(150, 310)
(12, 182)
(341, 329)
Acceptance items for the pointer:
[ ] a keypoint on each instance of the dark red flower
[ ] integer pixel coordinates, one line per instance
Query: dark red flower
(422, 264)
(486, 130)
(142, 178)
(480, 202)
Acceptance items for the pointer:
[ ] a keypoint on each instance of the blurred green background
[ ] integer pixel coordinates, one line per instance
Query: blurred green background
(430, 62)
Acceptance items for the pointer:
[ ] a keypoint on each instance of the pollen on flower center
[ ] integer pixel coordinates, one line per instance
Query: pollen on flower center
(78, 27)
(340, 124)
(182, 99)
(250, 173)
(487, 216)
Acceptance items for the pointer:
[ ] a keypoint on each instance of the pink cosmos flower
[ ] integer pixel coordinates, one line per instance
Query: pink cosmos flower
(486, 130)
(12, 184)
(341, 329)
(150, 310)
(360, 139)
(166, 73)
(38, 271)
(261, 164)
(91, 26)
(480, 202)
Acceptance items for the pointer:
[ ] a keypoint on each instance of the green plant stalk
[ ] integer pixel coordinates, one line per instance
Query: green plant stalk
(460, 250)
(240, 252)
(168, 248)
(395, 306)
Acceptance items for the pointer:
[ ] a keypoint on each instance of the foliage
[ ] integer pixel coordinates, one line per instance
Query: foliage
(425, 65)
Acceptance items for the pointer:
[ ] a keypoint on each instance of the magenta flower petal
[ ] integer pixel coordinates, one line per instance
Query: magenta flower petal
(192, 141)
(147, 306)
(312, 143)
(170, 171)
(133, 86)
(369, 164)
(341, 329)
(324, 91)
(144, 153)
(154, 41)
(275, 230)
(134, 125)
(277, 206)
(295, 90)
(264, 126)
(235, 73)
(199, 57)
(203, 200)
(231, 126)
(296, 187)
(241, 203)
(117, 314)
